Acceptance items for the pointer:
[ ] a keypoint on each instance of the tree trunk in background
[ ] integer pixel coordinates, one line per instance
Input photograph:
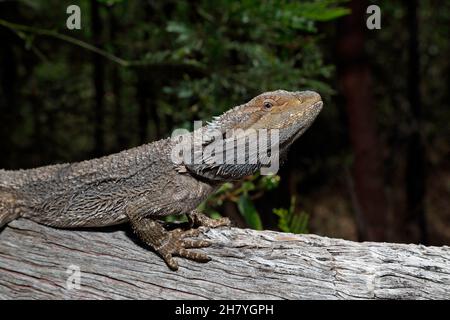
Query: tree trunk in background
(116, 82)
(355, 86)
(99, 81)
(414, 219)
(8, 96)
(142, 91)
(148, 87)
(9, 79)
(142, 88)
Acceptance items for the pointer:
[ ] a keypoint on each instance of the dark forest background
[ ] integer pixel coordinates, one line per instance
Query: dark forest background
(374, 165)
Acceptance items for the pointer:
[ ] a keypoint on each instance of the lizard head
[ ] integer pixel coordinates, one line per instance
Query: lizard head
(282, 116)
(289, 112)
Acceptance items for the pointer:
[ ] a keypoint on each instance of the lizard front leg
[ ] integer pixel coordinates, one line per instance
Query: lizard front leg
(166, 243)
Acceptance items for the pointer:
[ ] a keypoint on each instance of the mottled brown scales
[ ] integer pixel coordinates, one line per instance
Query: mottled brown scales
(143, 184)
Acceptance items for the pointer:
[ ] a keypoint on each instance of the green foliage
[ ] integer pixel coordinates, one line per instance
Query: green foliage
(110, 2)
(322, 11)
(203, 59)
(247, 48)
(290, 220)
(165, 64)
(248, 211)
(243, 194)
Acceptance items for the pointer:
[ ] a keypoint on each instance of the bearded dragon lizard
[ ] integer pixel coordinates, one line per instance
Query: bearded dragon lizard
(144, 184)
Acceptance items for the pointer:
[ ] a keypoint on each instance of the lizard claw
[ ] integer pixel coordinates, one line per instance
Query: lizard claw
(176, 245)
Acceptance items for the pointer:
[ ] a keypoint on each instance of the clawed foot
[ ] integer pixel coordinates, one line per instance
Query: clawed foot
(175, 245)
(169, 244)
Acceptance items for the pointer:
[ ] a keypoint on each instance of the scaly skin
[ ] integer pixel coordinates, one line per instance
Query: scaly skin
(143, 184)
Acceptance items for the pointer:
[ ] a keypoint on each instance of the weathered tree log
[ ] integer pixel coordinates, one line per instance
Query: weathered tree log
(246, 264)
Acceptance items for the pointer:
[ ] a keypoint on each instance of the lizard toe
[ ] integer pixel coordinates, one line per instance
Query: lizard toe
(188, 233)
(222, 222)
(177, 246)
(187, 244)
(191, 255)
(170, 261)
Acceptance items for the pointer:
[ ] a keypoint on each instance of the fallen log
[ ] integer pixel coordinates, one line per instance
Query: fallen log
(38, 262)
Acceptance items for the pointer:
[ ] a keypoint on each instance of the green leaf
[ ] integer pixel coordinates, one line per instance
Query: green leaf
(215, 215)
(290, 221)
(327, 15)
(109, 2)
(227, 186)
(248, 211)
(248, 186)
(270, 182)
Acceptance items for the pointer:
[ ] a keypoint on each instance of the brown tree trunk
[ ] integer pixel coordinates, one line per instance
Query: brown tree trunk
(355, 86)
(142, 99)
(10, 100)
(99, 80)
(8, 96)
(116, 83)
(414, 219)
(147, 90)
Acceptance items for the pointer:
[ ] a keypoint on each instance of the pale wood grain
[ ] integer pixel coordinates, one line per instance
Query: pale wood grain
(246, 264)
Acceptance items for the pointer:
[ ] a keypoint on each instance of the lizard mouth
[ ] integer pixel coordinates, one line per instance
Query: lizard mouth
(300, 127)
(312, 113)
(318, 104)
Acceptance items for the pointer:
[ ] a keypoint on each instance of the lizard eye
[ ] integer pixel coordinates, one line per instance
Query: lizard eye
(268, 104)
